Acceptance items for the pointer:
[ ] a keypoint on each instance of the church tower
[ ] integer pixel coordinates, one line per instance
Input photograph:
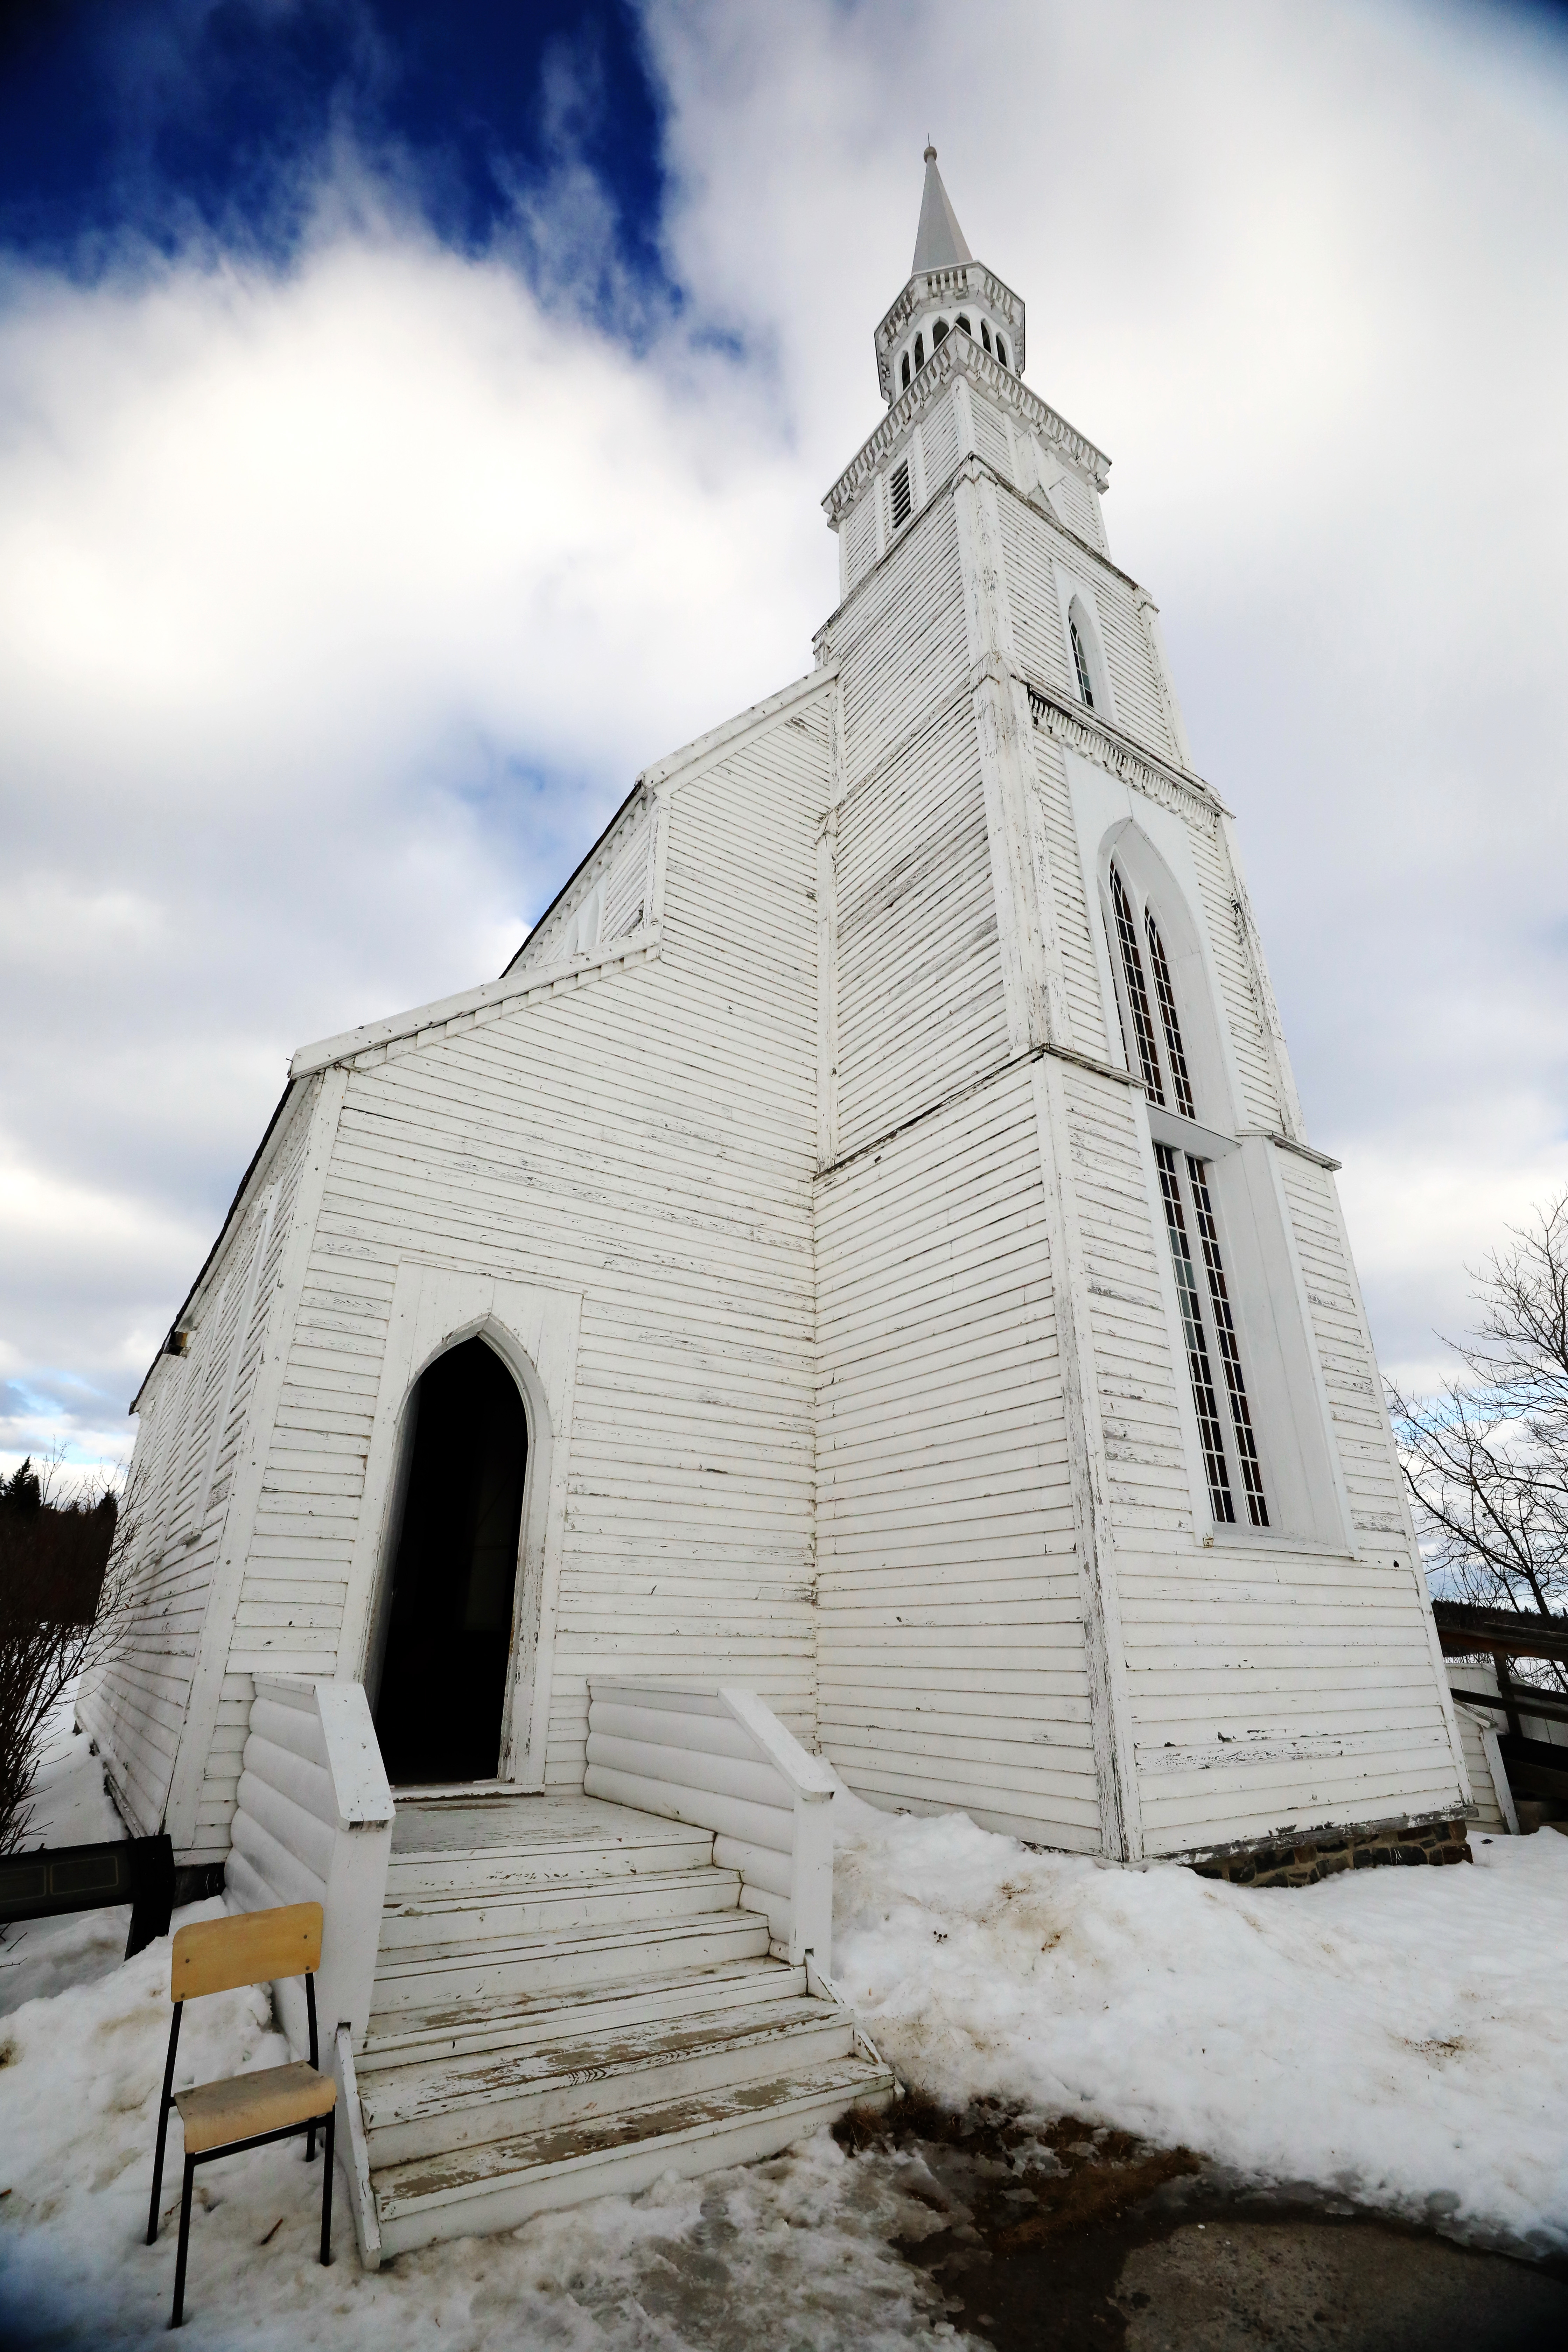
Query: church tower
(1111, 1546)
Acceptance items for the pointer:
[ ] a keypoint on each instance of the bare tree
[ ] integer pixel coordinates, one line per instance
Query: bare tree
(1486, 1459)
(62, 1567)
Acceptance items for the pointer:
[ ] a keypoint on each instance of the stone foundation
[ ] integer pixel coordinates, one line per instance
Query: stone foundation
(1331, 1850)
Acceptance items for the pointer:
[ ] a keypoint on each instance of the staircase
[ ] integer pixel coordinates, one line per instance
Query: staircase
(570, 2002)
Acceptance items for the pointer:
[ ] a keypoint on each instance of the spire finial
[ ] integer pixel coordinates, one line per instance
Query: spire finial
(931, 150)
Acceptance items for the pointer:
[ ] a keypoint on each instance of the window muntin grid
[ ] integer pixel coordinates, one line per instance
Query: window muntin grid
(1210, 1434)
(1224, 1338)
(1181, 1083)
(1137, 994)
(1080, 663)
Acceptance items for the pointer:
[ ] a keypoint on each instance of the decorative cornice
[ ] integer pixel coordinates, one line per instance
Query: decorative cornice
(1080, 731)
(944, 286)
(960, 353)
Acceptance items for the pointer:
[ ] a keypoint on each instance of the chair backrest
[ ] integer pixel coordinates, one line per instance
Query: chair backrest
(250, 1948)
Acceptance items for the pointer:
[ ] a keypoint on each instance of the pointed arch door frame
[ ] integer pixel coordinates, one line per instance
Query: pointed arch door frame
(534, 1332)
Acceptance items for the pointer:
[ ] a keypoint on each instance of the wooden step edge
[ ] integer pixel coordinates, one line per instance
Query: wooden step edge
(609, 2002)
(417, 2185)
(409, 1959)
(656, 1882)
(657, 1834)
(707, 2035)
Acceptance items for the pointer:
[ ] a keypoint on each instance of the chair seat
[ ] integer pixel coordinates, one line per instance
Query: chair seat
(246, 2106)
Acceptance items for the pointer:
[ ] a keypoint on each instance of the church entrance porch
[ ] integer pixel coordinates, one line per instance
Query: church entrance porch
(441, 1703)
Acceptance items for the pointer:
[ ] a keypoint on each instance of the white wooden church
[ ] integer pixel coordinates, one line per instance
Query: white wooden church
(855, 1292)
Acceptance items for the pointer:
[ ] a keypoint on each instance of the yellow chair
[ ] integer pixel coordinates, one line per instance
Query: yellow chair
(249, 2110)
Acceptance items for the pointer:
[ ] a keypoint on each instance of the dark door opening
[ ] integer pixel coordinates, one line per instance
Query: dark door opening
(449, 1637)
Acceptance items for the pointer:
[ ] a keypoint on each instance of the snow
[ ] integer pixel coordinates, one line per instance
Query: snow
(70, 1806)
(1397, 2036)
(1400, 2035)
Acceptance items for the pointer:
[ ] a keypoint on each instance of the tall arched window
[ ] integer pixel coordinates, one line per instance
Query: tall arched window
(938, 333)
(906, 371)
(1080, 659)
(1231, 1463)
(920, 351)
(965, 326)
(1001, 351)
(986, 334)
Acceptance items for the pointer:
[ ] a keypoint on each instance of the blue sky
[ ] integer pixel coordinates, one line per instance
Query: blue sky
(412, 421)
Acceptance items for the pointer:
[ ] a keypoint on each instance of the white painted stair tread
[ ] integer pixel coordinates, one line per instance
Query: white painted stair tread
(488, 2094)
(491, 1968)
(660, 1897)
(483, 2021)
(446, 2195)
(528, 1825)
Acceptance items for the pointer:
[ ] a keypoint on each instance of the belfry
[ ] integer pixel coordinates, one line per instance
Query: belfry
(854, 1297)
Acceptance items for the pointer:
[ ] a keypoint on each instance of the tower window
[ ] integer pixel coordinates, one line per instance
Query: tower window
(1137, 994)
(900, 489)
(1181, 1083)
(938, 333)
(1080, 661)
(1001, 351)
(965, 326)
(920, 351)
(986, 334)
(906, 371)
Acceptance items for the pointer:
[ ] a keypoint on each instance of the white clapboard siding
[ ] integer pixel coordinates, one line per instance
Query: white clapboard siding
(943, 1482)
(1036, 550)
(620, 871)
(136, 1708)
(647, 1140)
(719, 1757)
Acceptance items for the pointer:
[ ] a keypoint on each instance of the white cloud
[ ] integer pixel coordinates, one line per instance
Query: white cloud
(338, 604)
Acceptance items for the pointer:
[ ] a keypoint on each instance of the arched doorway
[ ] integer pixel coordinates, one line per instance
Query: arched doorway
(448, 1614)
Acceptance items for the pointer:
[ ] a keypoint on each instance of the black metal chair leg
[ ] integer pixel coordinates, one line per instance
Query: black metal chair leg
(311, 2144)
(164, 2123)
(327, 2189)
(178, 2320)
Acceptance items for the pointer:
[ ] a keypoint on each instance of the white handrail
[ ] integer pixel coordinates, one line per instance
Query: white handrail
(719, 1757)
(314, 1824)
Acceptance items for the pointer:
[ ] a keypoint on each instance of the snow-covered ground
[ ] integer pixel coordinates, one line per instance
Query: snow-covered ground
(1403, 2035)
(69, 1806)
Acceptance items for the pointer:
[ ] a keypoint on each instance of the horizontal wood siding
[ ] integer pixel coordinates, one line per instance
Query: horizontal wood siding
(1076, 912)
(136, 1708)
(902, 641)
(1034, 548)
(1244, 1015)
(950, 1660)
(938, 441)
(649, 1139)
(921, 1008)
(1350, 1369)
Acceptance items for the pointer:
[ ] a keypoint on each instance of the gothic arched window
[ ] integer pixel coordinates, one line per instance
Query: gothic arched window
(906, 371)
(1209, 1334)
(920, 351)
(1001, 351)
(986, 334)
(938, 333)
(965, 326)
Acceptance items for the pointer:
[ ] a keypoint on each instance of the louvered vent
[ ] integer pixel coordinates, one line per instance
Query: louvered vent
(900, 494)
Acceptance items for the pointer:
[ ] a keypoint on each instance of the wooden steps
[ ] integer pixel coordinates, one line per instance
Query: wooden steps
(569, 2002)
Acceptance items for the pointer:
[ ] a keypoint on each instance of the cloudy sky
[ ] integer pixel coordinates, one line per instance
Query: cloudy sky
(413, 418)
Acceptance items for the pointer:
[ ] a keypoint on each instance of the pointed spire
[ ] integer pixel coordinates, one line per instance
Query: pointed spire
(939, 242)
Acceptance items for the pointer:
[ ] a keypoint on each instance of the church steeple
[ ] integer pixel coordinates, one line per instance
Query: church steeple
(939, 240)
(948, 292)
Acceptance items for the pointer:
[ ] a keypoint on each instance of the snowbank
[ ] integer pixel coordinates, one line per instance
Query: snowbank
(700, 2262)
(1400, 2035)
(70, 1805)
